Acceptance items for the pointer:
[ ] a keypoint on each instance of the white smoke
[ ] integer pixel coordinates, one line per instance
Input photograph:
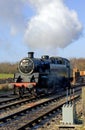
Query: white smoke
(53, 26)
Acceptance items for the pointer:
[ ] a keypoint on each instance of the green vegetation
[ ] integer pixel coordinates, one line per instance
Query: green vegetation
(8, 68)
(6, 76)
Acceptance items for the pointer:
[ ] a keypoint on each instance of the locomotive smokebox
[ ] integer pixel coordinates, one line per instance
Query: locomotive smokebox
(31, 54)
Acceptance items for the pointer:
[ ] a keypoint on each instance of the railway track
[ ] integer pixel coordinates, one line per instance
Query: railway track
(35, 103)
(26, 108)
(17, 102)
(44, 110)
(48, 110)
(14, 102)
(17, 98)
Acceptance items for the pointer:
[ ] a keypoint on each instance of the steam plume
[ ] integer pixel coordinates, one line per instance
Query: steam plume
(53, 26)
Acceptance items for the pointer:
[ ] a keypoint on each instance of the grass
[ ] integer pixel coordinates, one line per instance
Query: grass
(6, 76)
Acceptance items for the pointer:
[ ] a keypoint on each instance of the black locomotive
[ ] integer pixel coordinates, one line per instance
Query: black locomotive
(42, 75)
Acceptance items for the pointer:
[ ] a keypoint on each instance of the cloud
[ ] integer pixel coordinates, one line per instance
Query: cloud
(53, 26)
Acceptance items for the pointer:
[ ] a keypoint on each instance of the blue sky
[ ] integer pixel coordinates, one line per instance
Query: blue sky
(24, 26)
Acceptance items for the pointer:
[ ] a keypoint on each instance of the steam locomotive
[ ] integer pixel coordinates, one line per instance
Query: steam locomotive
(42, 75)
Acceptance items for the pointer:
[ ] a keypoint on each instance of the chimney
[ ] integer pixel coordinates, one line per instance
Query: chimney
(31, 54)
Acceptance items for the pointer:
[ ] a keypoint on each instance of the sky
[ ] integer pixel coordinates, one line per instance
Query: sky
(51, 27)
